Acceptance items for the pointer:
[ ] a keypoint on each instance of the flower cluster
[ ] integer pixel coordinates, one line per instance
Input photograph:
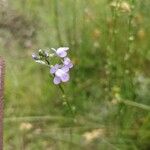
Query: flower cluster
(59, 70)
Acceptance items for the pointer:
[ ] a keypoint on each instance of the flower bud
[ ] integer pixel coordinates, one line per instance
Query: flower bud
(35, 57)
(41, 53)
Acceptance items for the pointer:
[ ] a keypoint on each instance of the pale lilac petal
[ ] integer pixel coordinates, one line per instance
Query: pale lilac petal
(65, 77)
(61, 53)
(54, 68)
(56, 80)
(70, 65)
(62, 75)
(57, 66)
(66, 61)
(65, 68)
(59, 73)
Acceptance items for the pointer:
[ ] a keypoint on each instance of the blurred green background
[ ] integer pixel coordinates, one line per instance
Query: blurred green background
(109, 88)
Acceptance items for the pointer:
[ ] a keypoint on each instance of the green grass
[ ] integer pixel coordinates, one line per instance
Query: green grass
(108, 67)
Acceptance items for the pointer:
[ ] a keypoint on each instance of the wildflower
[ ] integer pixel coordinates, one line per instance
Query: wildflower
(60, 71)
(65, 68)
(61, 52)
(61, 76)
(67, 62)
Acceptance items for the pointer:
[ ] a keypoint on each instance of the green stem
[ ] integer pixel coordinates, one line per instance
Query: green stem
(130, 34)
(114, 32)
(113, 49)
(47, 61)
(135, 104)
(75, 22)
(62, 90)
(56, 21)
(65, 100)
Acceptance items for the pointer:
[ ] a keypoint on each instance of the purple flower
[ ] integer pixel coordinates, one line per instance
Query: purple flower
(60, 72)
(67, 62)
(61, 52)
(65, 68)
(57, 80)
(61, 76)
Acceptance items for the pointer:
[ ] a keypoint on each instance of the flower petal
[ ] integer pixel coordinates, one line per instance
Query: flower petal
(56, 80)
(61, 53)
(65, 68)
(70, 65)
(53, 70)
(57, 66)
(65, 77)
(66, 61)
(62, 75)
(59, 73)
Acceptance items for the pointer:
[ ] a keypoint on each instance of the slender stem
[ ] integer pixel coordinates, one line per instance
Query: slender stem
(47, 61)
(57, 21)
(130, 28)
(65, 100)
(130, 48)
(114, 32)
(75, 23)
(62, 90)
(70, 108)
(2, 71)
(113, 49)
(135, 104)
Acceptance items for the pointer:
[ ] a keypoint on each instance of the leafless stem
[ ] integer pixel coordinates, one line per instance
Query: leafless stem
(57, 22)
(1, 100)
